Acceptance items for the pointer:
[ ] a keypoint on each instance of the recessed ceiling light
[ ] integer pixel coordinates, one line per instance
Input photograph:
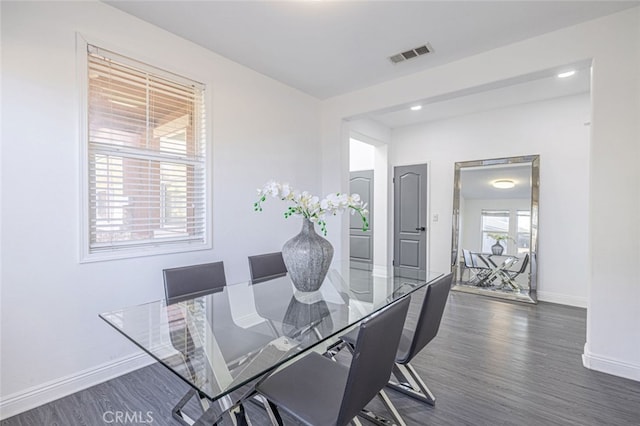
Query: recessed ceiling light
(566, 74)
(503, 184)
(416, 108)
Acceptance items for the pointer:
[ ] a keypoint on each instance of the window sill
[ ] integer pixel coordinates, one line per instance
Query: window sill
(134, 252)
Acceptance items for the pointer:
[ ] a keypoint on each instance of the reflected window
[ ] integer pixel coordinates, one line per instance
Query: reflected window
(494, 222)
(523, 237)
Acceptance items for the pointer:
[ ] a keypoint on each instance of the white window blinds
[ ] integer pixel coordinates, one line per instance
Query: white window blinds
(146, 155)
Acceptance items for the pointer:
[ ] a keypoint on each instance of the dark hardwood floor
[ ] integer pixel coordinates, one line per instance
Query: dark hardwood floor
(493, 363)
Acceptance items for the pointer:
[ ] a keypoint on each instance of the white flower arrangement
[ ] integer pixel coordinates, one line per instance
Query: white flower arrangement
(311, 206)
(501, 237)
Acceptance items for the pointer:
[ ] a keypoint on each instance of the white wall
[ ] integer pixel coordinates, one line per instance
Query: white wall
(553, 129)
(361, 156)
(52, 339)
(613, 43)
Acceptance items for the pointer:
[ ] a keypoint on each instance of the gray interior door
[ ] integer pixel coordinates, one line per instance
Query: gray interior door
(361, 242)
(410, 221)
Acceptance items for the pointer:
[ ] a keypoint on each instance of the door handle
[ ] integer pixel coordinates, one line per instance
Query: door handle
(421, 228)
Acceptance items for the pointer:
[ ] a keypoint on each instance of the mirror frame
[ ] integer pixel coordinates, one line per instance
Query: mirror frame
(534, 161)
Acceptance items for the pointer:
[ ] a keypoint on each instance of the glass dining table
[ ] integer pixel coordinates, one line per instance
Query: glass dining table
(221, 342)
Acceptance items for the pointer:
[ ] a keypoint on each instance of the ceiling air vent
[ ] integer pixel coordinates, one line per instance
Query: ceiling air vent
(410, 54)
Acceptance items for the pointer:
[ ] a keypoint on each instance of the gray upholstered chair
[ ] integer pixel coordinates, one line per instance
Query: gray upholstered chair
(264, 267)
(413, 340)
(235, 342)
(319, 391)
(193, 281)
(188, 282)
(185, 283)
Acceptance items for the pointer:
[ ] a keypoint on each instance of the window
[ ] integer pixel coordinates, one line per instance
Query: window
(523, 236)
(494, 222)
(146, 154)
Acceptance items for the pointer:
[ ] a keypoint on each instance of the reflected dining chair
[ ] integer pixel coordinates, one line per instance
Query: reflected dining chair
(265, 267)
(523, 267)
(413, 340)
(480, 270)
(319, 391)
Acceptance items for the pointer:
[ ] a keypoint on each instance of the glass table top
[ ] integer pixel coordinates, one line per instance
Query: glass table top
(219, 342)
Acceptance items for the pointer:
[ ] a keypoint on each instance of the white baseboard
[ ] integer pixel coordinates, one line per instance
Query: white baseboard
(610, 366)
(46, 392)
(562, 299)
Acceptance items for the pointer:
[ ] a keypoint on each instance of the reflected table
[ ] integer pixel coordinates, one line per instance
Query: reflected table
(499, 266)
(221, 342)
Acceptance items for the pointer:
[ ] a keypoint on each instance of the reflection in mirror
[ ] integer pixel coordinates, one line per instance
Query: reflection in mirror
(495, 227)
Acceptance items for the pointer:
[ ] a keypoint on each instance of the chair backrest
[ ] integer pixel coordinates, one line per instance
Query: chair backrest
(264, 267)
(373, 358)
(482, 262)
(192, 281)
(468, 261)
(435, 299)
(525, 263)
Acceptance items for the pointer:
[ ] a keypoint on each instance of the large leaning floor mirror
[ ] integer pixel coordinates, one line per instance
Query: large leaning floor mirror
(495, 227)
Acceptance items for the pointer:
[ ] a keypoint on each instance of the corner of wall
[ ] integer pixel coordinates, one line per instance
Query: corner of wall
(609, 365)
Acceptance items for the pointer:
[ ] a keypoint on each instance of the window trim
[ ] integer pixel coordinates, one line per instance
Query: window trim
(82, 79)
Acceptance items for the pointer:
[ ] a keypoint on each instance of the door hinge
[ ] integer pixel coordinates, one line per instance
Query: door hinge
(393, 262)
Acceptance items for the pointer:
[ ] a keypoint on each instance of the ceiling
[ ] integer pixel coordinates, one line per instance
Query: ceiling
(476, 182)
(328, 48)
(539, 86)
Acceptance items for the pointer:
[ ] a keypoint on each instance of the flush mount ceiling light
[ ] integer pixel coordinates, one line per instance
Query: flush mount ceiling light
(416, 108)
(566, 74)
(503, 184)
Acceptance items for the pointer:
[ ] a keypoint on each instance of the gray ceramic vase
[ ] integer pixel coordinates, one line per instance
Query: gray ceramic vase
(307, 257)
(497, 248)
